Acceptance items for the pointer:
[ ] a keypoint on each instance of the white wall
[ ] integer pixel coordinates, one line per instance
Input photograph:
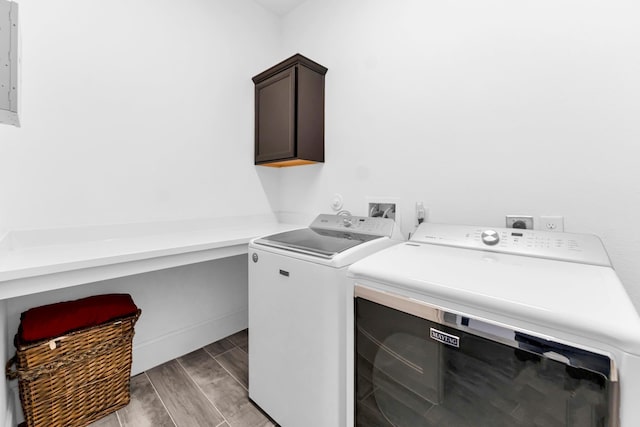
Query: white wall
(479, 109)
(6, 399)
(135, 111)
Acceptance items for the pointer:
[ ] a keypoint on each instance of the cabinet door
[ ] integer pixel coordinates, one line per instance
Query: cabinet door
(275, 117)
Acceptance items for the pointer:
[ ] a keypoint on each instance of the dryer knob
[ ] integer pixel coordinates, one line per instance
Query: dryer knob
(490, 237)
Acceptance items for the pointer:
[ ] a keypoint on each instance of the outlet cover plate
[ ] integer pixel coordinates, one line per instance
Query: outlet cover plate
(551, 223)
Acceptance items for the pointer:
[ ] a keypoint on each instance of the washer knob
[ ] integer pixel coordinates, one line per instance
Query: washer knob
(490, 237)
(347, 222)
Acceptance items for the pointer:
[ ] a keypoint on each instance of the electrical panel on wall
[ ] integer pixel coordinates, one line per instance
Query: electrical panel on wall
(9, 63)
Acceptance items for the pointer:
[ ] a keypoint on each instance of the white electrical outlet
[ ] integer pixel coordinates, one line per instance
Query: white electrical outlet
(552, 223)
(422, 213)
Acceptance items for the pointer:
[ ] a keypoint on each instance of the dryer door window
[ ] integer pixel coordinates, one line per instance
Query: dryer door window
(408, 375)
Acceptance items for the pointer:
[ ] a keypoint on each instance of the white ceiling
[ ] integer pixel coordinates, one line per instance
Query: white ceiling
(280, 7)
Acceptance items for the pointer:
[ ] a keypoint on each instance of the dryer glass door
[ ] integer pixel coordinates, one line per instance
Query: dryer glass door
(413, 371)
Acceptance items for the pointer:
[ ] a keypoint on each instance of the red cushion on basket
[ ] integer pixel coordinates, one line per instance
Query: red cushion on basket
(54, 320)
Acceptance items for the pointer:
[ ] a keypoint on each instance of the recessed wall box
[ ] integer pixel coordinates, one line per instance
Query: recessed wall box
(9, 63)
(519, 221)
(384, 207)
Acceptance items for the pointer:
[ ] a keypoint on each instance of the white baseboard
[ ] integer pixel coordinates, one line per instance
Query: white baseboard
(157, 351)
(12, 419)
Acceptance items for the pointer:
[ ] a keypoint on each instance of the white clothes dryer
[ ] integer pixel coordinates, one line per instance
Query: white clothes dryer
(478, 327)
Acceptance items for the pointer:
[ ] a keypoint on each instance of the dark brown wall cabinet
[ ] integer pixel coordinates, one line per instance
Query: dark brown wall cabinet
(290, 113)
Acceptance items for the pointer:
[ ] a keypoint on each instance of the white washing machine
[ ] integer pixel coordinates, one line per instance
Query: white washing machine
(297, 308)
(471, 327)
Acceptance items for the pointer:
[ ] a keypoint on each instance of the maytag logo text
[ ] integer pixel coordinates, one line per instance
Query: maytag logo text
(444, 337)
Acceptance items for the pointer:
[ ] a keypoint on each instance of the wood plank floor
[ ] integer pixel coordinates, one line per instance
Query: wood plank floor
(206, 388)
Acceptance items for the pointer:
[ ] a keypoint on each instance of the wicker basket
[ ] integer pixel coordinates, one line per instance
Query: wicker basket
(77, 378)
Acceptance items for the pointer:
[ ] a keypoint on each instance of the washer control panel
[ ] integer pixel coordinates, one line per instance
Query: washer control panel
(355, 224)
(583, 248)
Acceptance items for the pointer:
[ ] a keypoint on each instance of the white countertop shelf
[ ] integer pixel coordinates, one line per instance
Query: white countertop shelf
(33, 261)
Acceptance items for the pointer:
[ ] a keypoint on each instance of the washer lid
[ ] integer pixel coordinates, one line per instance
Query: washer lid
(315, 241)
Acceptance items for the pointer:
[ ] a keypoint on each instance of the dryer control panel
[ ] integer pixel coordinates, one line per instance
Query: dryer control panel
(583, 248)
